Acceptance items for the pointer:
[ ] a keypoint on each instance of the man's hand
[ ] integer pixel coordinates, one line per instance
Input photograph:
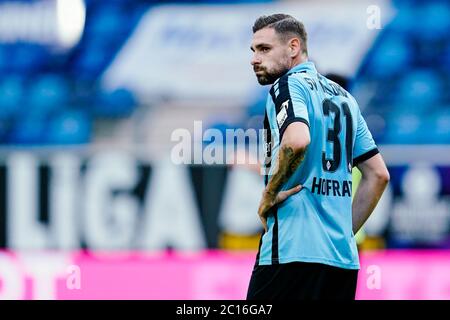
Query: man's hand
(270, 199)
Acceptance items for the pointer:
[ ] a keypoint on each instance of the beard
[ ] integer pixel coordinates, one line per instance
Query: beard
(269, 76)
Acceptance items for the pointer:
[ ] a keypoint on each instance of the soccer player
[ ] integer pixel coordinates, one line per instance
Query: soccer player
(315, 135)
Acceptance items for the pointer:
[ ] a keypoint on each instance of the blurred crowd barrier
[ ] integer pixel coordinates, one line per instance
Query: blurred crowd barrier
(123, 200)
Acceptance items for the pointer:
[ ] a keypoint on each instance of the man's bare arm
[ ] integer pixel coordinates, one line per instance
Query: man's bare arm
(293, 146)
(288, 161)
(374, 180)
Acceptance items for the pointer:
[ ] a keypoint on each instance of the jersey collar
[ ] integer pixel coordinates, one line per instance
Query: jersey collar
(307, 66)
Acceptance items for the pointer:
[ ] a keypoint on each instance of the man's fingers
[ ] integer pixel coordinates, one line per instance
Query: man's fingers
(264, 223)
(266, 204)
(283, 195)
(294, 190)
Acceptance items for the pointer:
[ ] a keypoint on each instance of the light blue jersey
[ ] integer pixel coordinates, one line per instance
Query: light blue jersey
(315, 225)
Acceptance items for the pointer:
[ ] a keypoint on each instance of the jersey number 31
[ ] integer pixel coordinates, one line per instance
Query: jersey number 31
(333, 164)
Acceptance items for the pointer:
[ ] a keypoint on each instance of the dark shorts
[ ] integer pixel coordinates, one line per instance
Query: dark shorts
(302, 281)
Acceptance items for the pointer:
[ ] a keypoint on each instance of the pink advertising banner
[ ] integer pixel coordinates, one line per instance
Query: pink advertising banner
(209, 275)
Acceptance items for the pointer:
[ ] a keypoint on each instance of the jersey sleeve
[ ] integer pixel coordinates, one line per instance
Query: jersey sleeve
(290, 98)
(365, 147)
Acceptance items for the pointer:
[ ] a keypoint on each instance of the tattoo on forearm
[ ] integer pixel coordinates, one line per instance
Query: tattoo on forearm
(288, 162)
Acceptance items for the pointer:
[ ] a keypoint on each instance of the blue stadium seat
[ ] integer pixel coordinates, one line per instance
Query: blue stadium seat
(413, 128)
(404, 22)
(48, 93)
(405, 129)
(69, 127)
(4, 59)
(4, 126)
(107, 27)
(91, 62)
(446, 58)
(392, 57)
(420, 88)
(11, 91)
(106, 21)
(376, 121)
(28, 130)
(440, 127)
(434, 20)
(27, 58)
(116, 104)
(385, 94)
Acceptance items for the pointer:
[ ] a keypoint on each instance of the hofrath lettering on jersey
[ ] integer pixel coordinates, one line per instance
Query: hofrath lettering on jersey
(327, 187)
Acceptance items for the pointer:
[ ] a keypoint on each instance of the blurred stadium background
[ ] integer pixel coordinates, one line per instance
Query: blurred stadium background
(91, 205)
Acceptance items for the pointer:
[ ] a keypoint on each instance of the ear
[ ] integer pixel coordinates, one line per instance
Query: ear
(294, 46)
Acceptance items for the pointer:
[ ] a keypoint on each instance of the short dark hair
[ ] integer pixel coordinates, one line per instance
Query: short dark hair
(285, 25)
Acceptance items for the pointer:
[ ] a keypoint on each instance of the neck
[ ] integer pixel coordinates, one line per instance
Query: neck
(301, 58)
